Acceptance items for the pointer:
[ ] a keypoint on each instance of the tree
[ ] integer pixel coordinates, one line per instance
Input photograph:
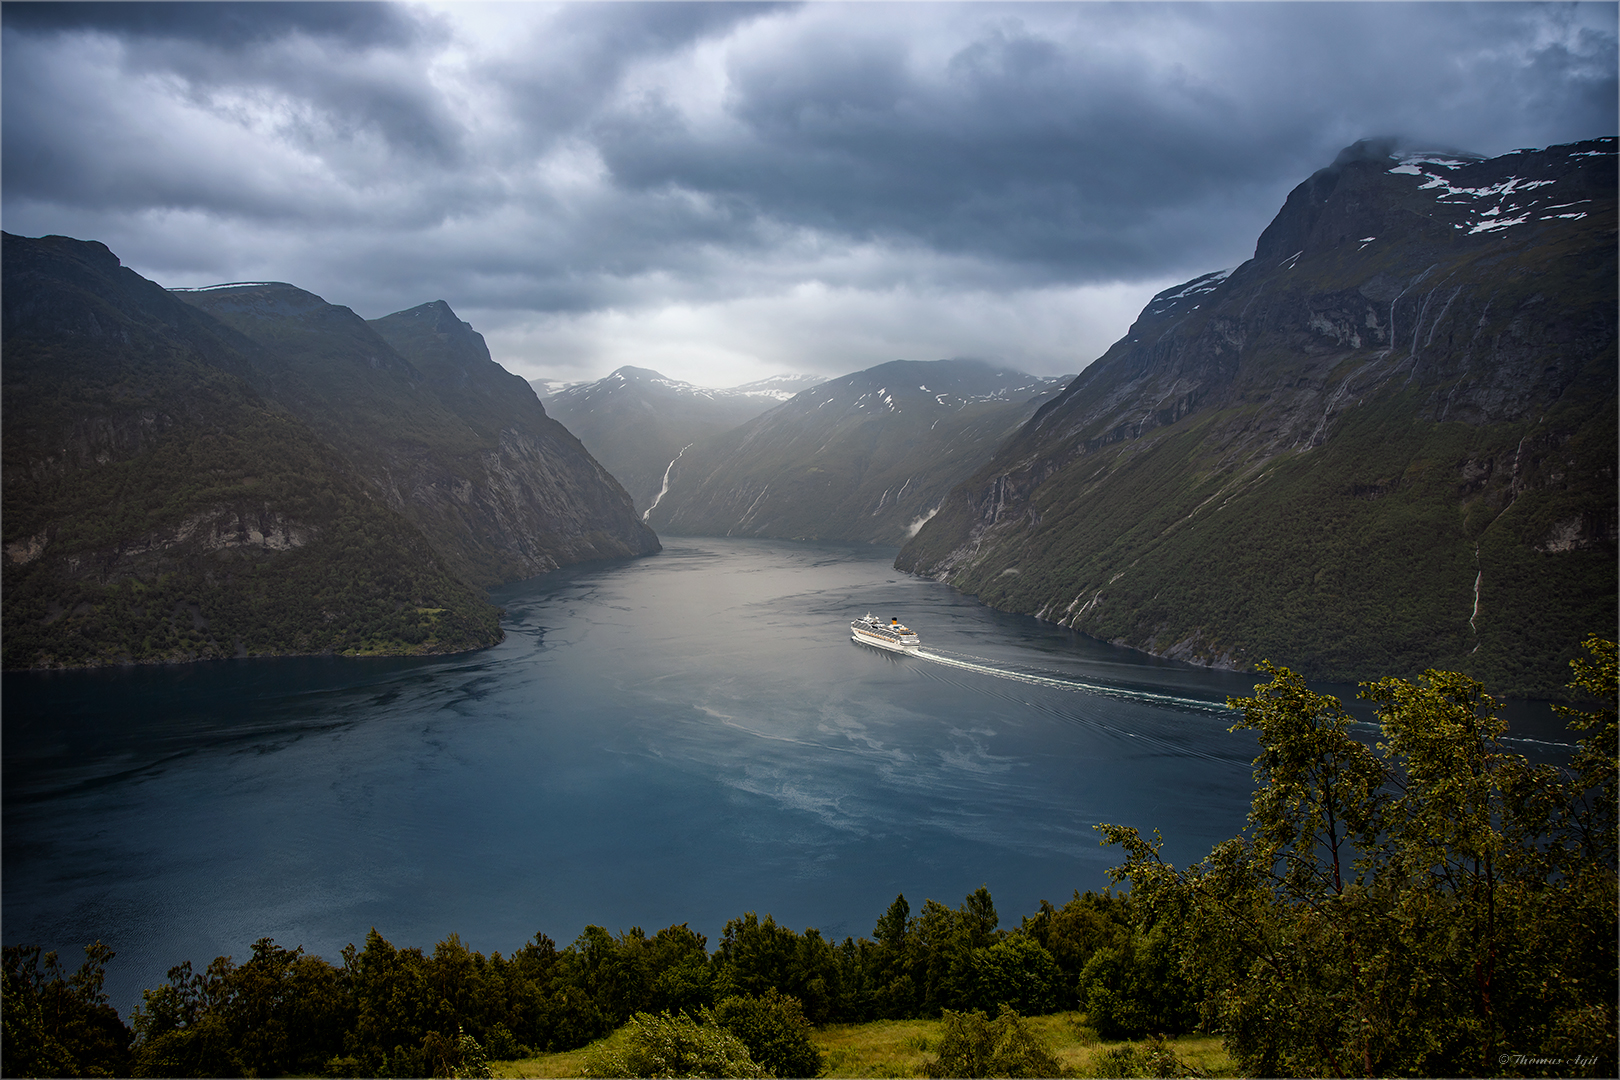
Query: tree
(1136, 987)
(755, 956)
(1017, 973)
(894, 990)
(56, 1025)
(1434, 907)
(1074, 932)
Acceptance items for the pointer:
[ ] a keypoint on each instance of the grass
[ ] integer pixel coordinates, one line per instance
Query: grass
(901, 1048)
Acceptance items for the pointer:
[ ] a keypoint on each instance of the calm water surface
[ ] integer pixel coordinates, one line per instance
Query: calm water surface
(682, 738)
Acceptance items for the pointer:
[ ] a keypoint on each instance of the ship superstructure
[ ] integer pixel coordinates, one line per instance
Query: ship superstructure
(871, 630)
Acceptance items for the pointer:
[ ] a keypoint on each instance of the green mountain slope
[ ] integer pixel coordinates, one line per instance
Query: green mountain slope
(636, 421)
(867, 457)
(449, 439)
(157, 507)
(1387, 442)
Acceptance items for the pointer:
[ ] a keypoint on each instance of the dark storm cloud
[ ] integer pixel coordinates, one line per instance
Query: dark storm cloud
(1040, 146)
(221, 25)
(606, 161)
(343, 71)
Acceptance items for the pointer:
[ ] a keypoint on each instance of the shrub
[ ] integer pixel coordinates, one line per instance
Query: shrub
(1152, 1058)
(665, 1045)
(775, 1031)
(974, 1045)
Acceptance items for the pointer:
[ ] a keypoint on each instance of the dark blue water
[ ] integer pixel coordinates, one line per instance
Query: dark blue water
(683, 738)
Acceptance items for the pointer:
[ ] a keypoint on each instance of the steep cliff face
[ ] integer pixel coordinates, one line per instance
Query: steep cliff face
(1386, 442)
(158, 508)
(460, 447)
(530, 497)
(867, 457)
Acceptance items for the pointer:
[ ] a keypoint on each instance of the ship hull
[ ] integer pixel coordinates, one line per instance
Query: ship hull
(878, 642)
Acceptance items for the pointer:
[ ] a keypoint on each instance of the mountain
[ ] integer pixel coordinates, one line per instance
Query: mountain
(159, 508)
(1387, 442)
(446, 436)
(636, 422)
(249, 470)
(867, 457)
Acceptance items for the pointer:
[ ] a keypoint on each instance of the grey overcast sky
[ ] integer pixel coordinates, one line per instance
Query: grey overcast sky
(726, 191)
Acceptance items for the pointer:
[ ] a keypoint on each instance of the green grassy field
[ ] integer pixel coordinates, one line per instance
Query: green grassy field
(901, 1048)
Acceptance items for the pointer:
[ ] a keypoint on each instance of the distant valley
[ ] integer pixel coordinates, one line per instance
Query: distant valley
(867, 457)
(635, 421)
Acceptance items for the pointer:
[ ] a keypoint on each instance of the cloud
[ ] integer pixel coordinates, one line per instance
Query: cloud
(814, 327)
(741, 189)
(222, 26)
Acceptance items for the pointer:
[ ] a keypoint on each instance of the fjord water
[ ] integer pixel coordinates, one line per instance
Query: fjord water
(681, 738)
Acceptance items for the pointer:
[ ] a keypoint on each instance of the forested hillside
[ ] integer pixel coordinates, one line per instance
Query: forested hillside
(176, 488)
(1386, 442)
(450, 439)
(158, 508)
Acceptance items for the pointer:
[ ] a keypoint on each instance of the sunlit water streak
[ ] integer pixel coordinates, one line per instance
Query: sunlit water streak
(685, 737)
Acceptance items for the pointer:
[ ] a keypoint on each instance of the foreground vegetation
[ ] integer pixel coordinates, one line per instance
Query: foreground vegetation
(907, 1048)
(1431, 906)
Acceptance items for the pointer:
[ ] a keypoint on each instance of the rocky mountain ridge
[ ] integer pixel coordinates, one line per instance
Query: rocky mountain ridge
(176, 488)
(1385, 442)
(866, 457)
(452, 440)
(635, 421)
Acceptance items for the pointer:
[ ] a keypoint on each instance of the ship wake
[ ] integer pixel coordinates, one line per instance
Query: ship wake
(989, 667)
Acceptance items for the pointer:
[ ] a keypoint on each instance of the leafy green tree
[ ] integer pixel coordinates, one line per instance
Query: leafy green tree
(974, 1045)
(1136, 988)
(1018, 973)
(941, 943)
(754, 956)
(894, 990)
(775, 1031)
(60, 1026)
(668, 1045)
(1074, 933)
(1434, 907)
(278, 1013)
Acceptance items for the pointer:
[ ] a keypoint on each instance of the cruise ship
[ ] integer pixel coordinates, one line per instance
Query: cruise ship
(870, 630)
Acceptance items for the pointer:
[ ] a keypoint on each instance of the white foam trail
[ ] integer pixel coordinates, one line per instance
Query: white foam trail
(1071, 684)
